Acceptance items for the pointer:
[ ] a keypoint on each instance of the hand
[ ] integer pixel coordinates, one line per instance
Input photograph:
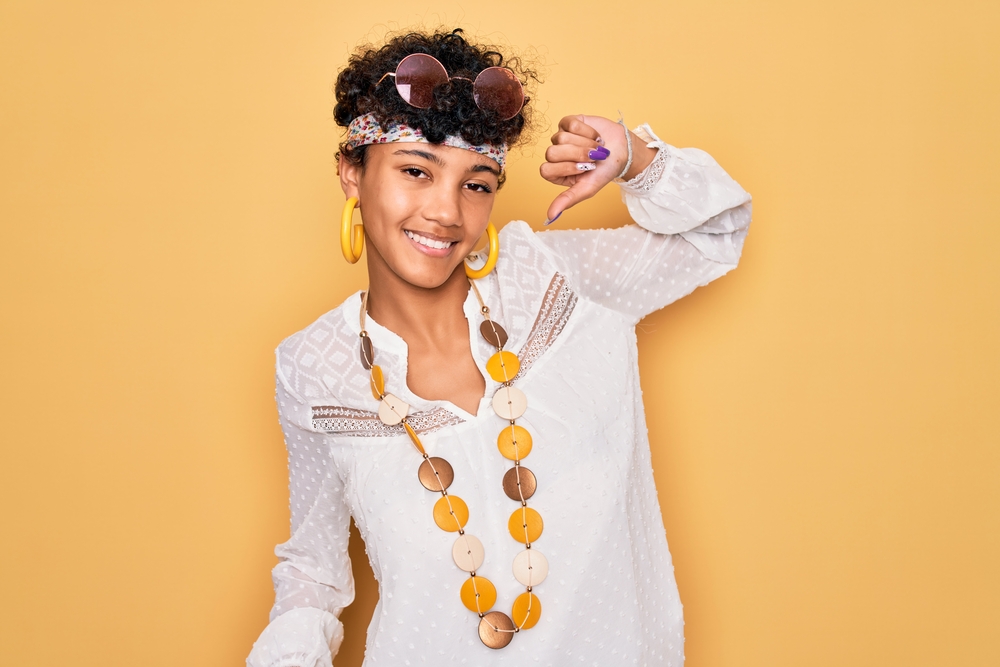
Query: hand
(587, 140)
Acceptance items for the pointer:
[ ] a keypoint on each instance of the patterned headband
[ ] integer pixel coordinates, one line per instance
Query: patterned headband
(366, 130)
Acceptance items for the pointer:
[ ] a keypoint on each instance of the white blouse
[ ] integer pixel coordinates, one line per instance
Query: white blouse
(569, 301)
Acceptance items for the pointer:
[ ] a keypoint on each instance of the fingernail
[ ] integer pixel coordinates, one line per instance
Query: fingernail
(599, 153)
(586, 166)
(600, 141)
(549, 222)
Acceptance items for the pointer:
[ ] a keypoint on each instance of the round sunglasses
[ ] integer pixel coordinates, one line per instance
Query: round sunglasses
(495, 89)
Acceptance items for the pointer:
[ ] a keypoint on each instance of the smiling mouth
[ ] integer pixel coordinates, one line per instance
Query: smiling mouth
(427, 242)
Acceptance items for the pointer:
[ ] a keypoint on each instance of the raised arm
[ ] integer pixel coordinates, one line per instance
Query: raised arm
(313, 581)
(691, 216)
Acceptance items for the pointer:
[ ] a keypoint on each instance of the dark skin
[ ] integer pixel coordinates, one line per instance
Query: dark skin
(425, 207)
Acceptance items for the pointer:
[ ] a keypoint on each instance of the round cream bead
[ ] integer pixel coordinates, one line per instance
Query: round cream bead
(391, 410)
(509, 403)
(468, 553)
(530, 567)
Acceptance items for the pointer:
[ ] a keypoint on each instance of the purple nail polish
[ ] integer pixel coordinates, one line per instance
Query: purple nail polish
(603, 150)
(549, 222)
(596, 154)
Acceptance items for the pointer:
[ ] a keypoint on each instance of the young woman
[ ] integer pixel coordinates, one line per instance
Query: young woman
(480, 418)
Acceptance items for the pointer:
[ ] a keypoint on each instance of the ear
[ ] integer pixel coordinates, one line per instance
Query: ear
(350, 175)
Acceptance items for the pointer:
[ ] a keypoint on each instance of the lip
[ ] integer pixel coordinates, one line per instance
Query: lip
(427, 250)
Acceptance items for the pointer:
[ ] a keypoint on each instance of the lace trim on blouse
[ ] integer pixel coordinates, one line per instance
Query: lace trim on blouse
(339, 420)
(557, 305)
(647, 179)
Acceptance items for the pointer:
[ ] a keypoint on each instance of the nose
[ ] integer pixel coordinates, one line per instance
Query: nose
(444, 205)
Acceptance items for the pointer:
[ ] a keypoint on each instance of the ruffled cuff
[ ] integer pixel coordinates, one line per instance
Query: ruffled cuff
(681, 190)
(301, 637)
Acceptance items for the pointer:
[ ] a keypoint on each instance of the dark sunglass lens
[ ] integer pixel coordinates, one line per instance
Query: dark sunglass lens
(416, 77)
(497, 89)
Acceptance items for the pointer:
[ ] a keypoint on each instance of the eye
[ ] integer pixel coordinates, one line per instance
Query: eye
(415, 172)
(479, 187)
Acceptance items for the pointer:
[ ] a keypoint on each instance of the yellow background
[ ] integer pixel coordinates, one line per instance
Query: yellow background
(824, 420)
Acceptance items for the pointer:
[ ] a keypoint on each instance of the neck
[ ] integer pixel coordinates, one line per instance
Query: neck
(422, 316)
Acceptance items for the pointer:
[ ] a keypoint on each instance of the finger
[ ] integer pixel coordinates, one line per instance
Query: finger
(585, 188)
(576, 125)
(556, 172)
(573, 153)
(563, 137)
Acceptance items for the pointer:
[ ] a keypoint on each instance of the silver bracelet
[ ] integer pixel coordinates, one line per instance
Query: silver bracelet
(628, 141)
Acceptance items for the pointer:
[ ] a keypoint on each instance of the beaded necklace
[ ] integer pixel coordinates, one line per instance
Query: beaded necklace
(478, 594)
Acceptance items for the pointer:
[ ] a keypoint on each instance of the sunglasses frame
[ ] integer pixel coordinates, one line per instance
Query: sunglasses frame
(476, 94)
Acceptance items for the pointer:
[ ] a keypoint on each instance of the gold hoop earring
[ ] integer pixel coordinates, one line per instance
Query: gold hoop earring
(491, 259)
(351, 247)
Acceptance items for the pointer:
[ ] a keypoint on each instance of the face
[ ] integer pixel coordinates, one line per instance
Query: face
(424, 208)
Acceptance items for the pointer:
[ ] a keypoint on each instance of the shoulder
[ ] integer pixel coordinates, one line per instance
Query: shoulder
(318, 362)
(535, 293)
(517, 232)
(523, 256)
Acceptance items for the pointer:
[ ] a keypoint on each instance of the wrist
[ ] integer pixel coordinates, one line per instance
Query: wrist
(642, 156)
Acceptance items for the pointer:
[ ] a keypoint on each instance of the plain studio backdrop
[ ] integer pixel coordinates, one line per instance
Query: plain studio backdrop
(824, 420)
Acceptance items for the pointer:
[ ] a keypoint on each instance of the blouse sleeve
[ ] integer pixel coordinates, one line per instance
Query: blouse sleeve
(692, 219)
(313, 582)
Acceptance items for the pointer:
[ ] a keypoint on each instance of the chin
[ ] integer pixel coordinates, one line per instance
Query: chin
(425, 279)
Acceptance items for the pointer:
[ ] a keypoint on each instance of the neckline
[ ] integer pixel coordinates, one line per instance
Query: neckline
(387, 340)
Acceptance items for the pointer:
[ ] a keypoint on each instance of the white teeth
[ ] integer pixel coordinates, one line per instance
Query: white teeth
(430, 243)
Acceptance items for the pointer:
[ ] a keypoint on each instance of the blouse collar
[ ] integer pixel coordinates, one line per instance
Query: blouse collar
(386, 341)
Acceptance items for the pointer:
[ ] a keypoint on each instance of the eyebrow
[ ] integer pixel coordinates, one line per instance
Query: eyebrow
(424, 154)
(486, 167)
(438, 161)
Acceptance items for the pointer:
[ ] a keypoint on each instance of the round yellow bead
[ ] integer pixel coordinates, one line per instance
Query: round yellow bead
(484, 588)
(414, 438)
(509, 437)
(451, 517)
(524, 617)
(377, 382)
(525, 525)
(503, 366)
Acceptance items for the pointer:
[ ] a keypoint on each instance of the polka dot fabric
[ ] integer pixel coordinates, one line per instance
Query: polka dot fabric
(569, 301)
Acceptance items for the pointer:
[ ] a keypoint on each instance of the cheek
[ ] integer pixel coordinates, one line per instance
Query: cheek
(383, 209)
(483, 207)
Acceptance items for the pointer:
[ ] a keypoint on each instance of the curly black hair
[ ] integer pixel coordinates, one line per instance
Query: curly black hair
(454, 111)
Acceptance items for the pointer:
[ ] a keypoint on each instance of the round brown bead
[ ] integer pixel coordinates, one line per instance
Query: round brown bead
(439, 482)
(519, 474)
(493, 333)
(367, 352)
(496, 629)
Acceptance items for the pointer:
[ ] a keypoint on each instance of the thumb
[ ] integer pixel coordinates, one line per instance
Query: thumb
(584, 188)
